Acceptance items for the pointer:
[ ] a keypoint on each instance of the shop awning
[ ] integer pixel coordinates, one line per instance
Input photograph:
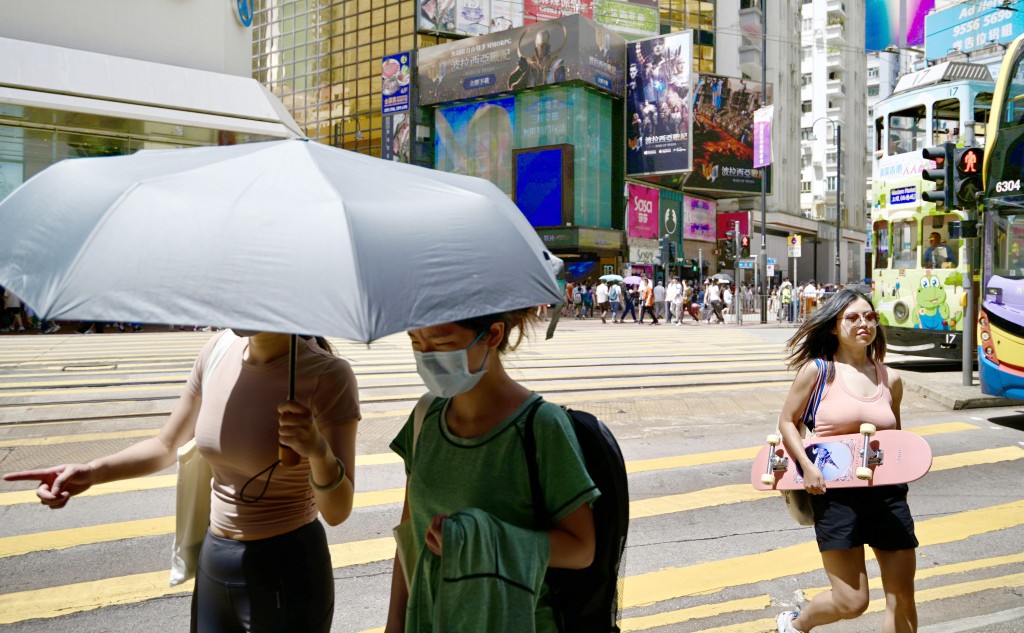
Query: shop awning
(45, 76)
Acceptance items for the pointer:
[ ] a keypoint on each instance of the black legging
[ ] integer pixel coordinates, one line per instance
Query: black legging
(280, 584)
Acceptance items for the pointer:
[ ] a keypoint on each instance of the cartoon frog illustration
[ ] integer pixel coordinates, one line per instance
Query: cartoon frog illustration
(932, 313)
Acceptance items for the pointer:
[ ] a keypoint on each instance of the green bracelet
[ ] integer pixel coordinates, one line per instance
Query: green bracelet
(334, 484)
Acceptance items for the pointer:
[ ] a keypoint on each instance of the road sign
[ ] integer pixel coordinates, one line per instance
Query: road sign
(746, 263)
(771, 261)
(794, 246)
(771, 269)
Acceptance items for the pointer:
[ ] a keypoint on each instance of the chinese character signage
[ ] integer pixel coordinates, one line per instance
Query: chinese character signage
(642, 212)
(395, 83)
(698, 219)
(658, 104)
(637, 18)
(763, 136)
(552, 52)
(970, 26)
(723, 136)
(631, 18)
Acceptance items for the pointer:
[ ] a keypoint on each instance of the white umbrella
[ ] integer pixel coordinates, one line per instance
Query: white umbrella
(284, 236)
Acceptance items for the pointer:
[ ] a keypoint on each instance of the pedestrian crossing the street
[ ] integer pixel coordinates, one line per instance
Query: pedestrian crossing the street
(690, 406)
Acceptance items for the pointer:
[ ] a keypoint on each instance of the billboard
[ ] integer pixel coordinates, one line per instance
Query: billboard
(394, 137)
(658, 118)
(699, 219)
(726, 223)
(570, 48)
(968, 27)
(482, 17)
(723, 136)
(476, 139)
(882, 23)
(642, 211)
(543, 184)
(395, 75)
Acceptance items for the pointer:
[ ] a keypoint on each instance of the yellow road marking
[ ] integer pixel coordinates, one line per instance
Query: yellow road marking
(679, 616)
(920, 596)
(712, 576)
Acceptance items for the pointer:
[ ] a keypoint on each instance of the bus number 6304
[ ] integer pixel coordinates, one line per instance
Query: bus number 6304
(1004, 186)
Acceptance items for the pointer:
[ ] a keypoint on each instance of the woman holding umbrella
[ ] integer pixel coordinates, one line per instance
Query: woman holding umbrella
(466, 467)
(264, 564)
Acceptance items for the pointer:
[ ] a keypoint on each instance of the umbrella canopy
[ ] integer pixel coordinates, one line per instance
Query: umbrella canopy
(283, 236)
(615, 278)
(632, 280)
(722, 277)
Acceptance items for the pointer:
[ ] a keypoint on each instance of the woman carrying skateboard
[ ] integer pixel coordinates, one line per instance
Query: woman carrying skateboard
(859, 388)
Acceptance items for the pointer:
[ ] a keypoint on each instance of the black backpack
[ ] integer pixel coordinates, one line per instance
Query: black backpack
(587, 600)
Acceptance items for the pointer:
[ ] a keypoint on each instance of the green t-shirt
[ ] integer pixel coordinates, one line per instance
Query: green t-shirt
(450, 473)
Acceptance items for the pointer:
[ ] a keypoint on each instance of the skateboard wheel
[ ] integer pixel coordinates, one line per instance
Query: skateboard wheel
(774, 440)
(767, 479)
(864, 473)
(867, 429)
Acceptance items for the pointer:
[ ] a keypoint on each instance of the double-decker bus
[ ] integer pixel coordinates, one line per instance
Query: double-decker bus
(918, 258)
(1001, 318)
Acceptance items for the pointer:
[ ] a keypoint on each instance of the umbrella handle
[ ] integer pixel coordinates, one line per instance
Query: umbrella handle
(288, 457)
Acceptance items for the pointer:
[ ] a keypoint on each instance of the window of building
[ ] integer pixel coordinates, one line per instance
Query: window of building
(830, 183)
(805, 106)
(805, 186)
(808, 24)
(872, 72)
(830, 158)
(872, 91)
(680, 15)
(806, 134)
(805, 160)
(806, 79)
(806, 55)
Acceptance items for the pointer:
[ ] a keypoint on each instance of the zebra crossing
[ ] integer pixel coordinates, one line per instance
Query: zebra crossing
(690, 405)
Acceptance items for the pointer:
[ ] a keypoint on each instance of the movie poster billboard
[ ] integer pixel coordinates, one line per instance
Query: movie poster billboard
(571, 48)
(642, 211)
(658, 121)
(395, 74)
(635, 18)
(394, 137)
(699, 217)
(723, 135)
(476, 139)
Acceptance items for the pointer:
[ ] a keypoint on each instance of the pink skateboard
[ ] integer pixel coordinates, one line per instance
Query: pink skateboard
(868, 458)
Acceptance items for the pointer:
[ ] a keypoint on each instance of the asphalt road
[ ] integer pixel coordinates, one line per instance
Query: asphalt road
(689, 405)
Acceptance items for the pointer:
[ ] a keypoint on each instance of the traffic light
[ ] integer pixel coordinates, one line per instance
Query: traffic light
(745, 246)
(942, 176)
(729, 248)
(672, 255)
(967, 179)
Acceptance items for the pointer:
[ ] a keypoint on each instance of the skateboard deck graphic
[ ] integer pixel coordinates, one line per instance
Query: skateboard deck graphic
(894, 457)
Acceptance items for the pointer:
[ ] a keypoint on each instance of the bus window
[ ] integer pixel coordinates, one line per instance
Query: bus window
(940, 252)
(945, 121)
(904, 244)
(1013, 112)
(1008, 249)
(881, 243)
(879, 135)
(982, 109)
(907, 131)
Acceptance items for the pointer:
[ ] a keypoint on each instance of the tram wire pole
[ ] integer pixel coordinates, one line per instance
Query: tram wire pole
(969, 312)
(763, 264)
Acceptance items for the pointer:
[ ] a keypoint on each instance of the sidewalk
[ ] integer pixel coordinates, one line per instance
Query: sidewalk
(947, 388)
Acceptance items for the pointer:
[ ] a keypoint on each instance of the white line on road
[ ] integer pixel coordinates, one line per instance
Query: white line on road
(978, 622)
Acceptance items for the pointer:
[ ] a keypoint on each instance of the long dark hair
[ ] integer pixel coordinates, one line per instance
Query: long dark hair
(322, 343)
(815, 338)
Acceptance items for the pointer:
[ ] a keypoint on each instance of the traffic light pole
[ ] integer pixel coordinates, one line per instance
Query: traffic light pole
(967, 356)
(764, 181)
(736, 273)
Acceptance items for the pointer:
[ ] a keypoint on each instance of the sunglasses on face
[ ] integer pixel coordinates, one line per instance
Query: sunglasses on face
(853, 318)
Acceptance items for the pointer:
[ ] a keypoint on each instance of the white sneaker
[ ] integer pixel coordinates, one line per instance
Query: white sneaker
(785, 622)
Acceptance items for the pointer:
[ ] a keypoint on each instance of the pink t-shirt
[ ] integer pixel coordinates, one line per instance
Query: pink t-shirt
(841, 411)
(236, 432)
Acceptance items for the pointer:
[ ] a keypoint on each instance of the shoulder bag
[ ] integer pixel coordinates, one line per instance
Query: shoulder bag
(192, 503)
(798, 502)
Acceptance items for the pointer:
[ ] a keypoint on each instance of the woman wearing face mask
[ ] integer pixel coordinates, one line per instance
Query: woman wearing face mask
(264, 564)
(469, 455)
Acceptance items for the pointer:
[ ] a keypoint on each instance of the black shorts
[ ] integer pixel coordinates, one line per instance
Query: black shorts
(851, 517)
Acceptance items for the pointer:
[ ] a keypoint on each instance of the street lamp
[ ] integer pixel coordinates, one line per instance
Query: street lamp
(837, 128)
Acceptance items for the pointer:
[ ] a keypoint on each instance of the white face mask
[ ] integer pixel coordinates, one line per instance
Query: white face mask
(447, 374)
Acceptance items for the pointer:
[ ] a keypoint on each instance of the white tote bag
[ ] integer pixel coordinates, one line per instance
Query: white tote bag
(192, 505)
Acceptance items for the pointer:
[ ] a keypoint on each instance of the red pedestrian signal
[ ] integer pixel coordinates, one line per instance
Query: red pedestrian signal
(967, 181)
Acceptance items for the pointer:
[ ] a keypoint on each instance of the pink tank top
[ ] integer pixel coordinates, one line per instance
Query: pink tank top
(842, 411)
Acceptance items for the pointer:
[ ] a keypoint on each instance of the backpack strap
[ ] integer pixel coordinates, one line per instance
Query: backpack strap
(541, 520)
(419, 413)
(811, 410)
(227, 337)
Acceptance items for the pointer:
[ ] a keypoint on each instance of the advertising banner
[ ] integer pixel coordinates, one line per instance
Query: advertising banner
(394, 137)
(636, 18)
(726, 220)
(723, 139)
(970, 26)
(699, 219)
(658, 131)
(763, 136)
(642, 211)
(883, 23)
(556, 51)
(395, 75)
(476, 139)
(631, 18)
(540, 10)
